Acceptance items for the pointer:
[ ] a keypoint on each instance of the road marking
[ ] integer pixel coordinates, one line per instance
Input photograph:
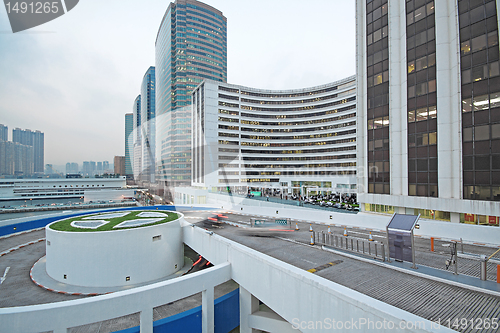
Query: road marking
(319, 268)
(309, 261)
(2, 279)
(362, 233)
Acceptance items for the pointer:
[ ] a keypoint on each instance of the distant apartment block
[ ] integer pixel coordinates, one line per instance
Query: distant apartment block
(72, 167)
(4, 132)
(119, 163)
(15, 158)
(34, 139)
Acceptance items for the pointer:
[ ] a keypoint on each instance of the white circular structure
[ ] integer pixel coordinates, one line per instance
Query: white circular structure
(118, 257)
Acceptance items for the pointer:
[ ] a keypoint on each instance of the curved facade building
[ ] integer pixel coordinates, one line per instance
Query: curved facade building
(244, 137)
(191, 46)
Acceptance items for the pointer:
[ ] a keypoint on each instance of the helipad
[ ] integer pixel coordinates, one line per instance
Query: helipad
(119, 249)
(113, 221)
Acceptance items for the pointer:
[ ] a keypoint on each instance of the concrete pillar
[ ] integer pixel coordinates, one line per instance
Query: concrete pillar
(455, 217)
(207, 310)
(248, 305)
(449, 101)
(146, 325)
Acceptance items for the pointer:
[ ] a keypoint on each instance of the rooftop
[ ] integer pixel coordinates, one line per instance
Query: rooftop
(114, 221)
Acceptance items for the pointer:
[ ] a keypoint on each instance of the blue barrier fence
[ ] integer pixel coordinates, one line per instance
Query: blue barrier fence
(226, 318)
(42, 222)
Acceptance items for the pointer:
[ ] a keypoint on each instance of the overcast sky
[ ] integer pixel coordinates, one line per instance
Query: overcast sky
(74, 78)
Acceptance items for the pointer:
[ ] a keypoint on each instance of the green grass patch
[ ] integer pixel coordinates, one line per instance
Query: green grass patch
(65, 225)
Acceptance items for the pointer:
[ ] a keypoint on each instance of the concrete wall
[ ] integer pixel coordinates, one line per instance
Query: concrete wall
(226, 318)
(430, 228)
(107, 258)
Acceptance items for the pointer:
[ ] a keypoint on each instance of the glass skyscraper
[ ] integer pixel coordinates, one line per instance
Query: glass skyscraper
(191, 45)
(148, 125)
(137, 137)
(129, 143)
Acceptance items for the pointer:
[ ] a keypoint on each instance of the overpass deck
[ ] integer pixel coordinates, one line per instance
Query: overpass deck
(455, 307)
(458, 308)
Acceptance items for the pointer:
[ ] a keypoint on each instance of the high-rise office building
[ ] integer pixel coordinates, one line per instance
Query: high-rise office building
(429, 108)
(34, 139)
(119, 165)
(148, 93)
(105, 166)
(191, 45)
(129, 145)
(137, 138)
(86, 169)
(38, 151)
(4, 132)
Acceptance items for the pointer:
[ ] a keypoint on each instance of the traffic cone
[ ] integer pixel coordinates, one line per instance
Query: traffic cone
(329, 231)
(312, 240)
(296, 227)
(345, 232)
(370, 238)
(310, 228)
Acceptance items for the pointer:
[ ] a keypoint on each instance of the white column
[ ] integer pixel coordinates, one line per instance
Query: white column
(207, 310)
(449, 113)
(361, 92)
(146, 325)
(248, 305)
(398, 119)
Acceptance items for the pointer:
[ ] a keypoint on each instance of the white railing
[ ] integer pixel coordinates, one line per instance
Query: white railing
(59, 316)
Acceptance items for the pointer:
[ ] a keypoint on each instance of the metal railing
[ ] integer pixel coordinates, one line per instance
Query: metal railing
(359, 245)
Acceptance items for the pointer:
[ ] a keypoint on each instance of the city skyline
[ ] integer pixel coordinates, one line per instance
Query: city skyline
(79, 74)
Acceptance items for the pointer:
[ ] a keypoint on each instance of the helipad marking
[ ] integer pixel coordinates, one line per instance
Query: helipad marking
(2, 279)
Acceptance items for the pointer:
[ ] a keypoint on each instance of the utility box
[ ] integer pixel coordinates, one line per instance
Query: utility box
(400, 237)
